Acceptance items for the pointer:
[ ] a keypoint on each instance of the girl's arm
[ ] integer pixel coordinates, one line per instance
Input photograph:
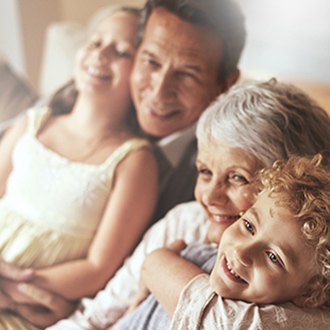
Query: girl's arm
(165, 273)
(128, 211)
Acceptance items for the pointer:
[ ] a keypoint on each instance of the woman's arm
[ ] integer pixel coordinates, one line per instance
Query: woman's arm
(127, 214)
(165, 274)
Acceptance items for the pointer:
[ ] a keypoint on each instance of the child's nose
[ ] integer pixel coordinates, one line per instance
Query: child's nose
(102, 55)
(245, 253)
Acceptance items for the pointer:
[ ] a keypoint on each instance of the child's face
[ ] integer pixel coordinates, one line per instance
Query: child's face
(104, 62)
(222, 186)
(263, 257)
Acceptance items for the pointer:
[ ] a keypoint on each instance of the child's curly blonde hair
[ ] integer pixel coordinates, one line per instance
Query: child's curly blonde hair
(304, 184)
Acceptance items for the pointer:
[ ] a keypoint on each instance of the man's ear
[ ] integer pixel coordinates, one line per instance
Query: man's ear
(231, 79)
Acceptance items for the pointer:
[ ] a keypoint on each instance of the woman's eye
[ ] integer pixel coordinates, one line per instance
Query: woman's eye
(248, 226)
(204, 171)
(238, 179)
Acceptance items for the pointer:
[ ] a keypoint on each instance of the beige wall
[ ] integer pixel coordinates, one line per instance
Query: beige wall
(36, 15)
(86, 7)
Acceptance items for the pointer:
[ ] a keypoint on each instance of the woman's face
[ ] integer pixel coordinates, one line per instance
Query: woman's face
(104, 62)
(223, 185)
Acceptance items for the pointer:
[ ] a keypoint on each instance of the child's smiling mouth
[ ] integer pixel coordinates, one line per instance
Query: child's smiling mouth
(231, 273)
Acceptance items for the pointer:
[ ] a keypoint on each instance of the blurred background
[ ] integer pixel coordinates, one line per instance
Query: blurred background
(288, 39)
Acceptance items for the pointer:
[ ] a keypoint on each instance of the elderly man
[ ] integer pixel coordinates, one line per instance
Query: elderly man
(187, 57)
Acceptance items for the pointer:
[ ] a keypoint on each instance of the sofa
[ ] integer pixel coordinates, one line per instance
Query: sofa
(16, 93)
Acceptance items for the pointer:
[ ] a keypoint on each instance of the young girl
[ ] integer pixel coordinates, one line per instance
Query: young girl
(79, 188)
(278, 251)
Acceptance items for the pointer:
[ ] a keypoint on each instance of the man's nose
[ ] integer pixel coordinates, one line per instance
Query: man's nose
(163, 85)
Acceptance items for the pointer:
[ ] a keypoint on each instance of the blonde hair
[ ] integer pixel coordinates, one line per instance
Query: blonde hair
(304, 184)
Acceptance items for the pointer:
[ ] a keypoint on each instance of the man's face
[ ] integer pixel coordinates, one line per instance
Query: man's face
(175, 75)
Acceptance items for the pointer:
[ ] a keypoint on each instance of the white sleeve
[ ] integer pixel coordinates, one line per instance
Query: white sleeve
(200, 308)
(185, 221)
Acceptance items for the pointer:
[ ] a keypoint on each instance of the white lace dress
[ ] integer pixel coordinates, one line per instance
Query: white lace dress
(52, 206)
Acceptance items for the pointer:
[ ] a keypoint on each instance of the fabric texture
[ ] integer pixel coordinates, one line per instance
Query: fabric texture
(199, 308)
(186, 221)
(52, 206)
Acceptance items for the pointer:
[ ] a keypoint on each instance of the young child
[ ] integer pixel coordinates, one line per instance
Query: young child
(78, 189)
(276, 252)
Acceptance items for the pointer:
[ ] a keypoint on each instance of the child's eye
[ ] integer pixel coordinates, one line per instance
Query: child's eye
(248, 226)
(273, 258)
(94, 43)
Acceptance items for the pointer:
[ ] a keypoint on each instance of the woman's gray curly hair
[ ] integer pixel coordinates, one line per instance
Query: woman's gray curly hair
(270, 120)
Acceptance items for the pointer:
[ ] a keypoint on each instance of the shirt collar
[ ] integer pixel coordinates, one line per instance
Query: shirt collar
(173, 146)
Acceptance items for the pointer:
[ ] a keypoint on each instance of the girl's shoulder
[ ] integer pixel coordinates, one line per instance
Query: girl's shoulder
(135, 143)
(126, 148)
